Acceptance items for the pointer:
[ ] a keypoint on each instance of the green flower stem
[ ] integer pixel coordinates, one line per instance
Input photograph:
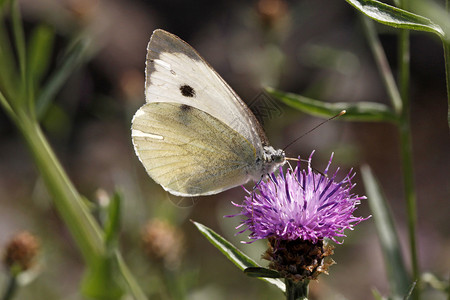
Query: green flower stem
(17, 99)
(84, 229)
(11, 288)
(408, 177)
(296, 290)
(406, 149)
(68, 202)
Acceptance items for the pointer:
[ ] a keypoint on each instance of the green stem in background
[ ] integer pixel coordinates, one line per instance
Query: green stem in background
(133, 286)
(20, 45)
(17, 99)
(406, 149)
(68, 202)
(84, 229)
(11, 288)
(296, 290)
(446, 43)
(19, 39)
(8, 109)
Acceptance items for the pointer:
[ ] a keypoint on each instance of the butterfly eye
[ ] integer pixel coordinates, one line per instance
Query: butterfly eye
(187, 90)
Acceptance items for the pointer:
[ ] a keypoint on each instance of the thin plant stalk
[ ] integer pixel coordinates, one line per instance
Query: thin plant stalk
(20, 107)
(404, 126)
(131, 282)
(10, 288)
(406, 149)
(85, 231)
(83, 227)
(446, 44)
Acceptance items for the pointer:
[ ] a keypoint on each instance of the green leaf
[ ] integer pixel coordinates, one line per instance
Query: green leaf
(112, 222)
(8, 109)
(19, 37)
(102, 281)
(241, 260)
(262, 272)
(358, 111)
(39, 52)
(395, 17)
(76, 55)
(9, 79)
(398, 276)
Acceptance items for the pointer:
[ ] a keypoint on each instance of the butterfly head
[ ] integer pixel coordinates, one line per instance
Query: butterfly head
(274, 156)
(272, 159)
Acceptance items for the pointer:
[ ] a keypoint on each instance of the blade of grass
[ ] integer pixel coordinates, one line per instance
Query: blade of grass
(112, 224)
(8, 71)
(447, 77)
(133, 286)
(4, 102)
(447, 68)
(76, 55)
(84, 229)
(396, 272)
(102, 281)
(19, 42)
(39, 52)
(68, 202)
(406, 149)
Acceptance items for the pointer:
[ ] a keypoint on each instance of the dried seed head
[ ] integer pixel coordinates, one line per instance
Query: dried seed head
(163, 243)
(21, 251)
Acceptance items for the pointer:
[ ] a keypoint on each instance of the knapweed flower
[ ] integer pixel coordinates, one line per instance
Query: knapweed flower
(297, 212)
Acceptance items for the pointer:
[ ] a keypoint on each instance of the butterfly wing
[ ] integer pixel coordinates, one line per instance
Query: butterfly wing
(189, 152)
(177, 73)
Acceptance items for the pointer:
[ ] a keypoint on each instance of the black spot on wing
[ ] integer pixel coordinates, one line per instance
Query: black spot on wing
(187, 90)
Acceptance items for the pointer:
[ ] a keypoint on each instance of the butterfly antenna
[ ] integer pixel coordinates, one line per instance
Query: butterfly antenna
(314, 128)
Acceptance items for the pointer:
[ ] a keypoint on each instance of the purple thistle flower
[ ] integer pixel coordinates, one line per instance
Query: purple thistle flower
(297, 212)
(301, 205)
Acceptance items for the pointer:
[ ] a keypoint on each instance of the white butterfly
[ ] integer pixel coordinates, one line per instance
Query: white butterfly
(194, 135)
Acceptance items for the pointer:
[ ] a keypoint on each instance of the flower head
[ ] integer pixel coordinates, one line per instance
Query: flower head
(21, 251)
(297, 212)
(301, 205)
(163, 243)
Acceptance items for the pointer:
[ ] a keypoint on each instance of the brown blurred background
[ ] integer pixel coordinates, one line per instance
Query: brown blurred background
(314, 48)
